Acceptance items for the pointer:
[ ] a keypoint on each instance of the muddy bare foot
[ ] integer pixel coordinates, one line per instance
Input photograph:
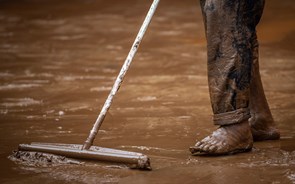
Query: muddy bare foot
(228, 139)
(263, 129)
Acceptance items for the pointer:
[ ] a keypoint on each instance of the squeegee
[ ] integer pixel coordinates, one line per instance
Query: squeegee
(87, 150)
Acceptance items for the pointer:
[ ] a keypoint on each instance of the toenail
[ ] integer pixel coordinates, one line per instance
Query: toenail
(202, 146)
(212, 148)
(206, 147)
(198, 144)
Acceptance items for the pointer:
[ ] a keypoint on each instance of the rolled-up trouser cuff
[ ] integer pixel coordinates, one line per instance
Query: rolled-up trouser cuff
(231, 117)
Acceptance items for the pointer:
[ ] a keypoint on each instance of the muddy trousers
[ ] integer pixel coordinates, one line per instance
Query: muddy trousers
(233, 71)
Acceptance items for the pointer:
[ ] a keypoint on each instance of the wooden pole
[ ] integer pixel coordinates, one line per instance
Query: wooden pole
(89, 141)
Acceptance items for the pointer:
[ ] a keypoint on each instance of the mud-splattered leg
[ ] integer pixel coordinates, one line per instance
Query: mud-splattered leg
(261, 121)
(230, 29)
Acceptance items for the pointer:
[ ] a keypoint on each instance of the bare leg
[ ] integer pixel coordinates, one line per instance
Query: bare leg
(261, 121)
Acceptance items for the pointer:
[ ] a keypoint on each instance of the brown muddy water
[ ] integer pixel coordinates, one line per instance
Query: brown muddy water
(59, 59)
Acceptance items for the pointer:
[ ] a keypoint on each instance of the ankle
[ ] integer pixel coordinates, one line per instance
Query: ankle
(261, 121)
(263, 128)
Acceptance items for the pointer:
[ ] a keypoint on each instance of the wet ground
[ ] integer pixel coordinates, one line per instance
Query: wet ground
(59, 60)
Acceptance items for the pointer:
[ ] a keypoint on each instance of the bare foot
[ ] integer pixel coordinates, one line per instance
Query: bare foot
(263, 129)
(227, 139)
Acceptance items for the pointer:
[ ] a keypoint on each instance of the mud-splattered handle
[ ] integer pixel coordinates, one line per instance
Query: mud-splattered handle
(89, 141)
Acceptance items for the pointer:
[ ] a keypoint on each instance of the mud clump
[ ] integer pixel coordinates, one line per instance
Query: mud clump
(40, 159)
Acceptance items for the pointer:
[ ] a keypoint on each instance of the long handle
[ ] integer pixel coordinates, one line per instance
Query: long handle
(89, 141)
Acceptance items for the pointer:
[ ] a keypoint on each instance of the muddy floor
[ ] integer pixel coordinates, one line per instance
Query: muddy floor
(59, 60)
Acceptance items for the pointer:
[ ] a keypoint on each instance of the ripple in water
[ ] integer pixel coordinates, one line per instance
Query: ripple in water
(18, 86)
(102, 88)
(19, 102)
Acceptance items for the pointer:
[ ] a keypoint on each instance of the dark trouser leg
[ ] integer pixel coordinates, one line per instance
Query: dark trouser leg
(230, 30)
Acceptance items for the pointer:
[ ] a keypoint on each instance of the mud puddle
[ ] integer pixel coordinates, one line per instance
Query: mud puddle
(59, 61)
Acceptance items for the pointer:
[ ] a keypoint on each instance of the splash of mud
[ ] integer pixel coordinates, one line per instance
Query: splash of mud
(38, 159)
